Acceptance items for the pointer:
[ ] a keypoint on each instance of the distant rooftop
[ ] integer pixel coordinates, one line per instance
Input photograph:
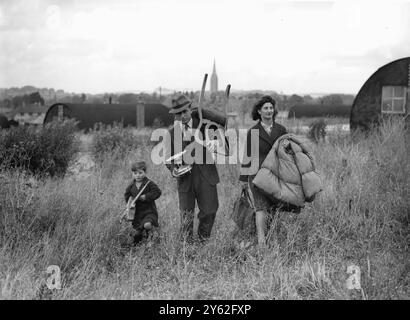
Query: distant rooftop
(31, 108)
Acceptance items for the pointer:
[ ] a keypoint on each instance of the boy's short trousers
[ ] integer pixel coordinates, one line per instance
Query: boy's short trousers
(139, 222)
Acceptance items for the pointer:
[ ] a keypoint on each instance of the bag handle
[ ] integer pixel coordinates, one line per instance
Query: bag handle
(245, 193)
(139, 193)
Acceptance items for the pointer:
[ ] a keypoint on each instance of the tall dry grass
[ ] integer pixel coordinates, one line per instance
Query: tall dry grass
(361, 218)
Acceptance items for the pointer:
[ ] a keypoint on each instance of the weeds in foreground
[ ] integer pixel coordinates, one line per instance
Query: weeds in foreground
(361, 218)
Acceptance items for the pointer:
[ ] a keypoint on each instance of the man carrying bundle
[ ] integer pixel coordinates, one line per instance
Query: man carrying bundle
(200, 182)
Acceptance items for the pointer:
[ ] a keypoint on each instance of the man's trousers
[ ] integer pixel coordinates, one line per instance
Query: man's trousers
(206, 196)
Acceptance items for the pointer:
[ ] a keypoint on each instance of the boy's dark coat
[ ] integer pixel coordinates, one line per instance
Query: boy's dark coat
(146, 207)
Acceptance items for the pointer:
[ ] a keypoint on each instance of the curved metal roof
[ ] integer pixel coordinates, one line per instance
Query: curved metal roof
(393, 73)
(90, 114)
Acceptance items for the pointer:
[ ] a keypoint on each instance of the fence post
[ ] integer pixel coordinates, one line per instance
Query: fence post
(60, 114)
(140, 115)
(231, 120)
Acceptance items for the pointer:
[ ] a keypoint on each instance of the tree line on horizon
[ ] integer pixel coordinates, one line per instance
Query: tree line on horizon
(240, 102)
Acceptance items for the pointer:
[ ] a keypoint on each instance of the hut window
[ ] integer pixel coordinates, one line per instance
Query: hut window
(393, 99)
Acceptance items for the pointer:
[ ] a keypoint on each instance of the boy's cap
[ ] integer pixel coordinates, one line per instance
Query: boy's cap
(139, 165)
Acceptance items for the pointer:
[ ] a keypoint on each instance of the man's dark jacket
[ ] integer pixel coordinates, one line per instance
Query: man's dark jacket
(208, 171)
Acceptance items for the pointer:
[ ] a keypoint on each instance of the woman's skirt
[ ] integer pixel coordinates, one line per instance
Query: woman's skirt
(262, 202)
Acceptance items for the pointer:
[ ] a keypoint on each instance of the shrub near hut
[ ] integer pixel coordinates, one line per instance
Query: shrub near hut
(46, 150)
(113, 140)
(317, 130)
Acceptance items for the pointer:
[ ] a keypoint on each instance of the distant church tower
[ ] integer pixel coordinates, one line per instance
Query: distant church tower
(214, 80)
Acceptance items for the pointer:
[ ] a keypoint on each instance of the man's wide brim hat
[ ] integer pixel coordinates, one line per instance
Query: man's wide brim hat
(180, 104)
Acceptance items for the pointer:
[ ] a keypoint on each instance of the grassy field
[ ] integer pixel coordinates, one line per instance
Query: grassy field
(361, 218)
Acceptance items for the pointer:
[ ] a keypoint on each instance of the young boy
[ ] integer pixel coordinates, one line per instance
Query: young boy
(146, 214)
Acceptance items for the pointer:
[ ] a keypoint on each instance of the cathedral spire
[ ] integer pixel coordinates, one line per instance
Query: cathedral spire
(214, 80)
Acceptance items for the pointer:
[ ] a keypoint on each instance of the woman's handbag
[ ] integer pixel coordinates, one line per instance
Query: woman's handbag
(243, 213)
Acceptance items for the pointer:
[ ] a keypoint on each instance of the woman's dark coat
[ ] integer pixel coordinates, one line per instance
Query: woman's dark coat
(266, 141)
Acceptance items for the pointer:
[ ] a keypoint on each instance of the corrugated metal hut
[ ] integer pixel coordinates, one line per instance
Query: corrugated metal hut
(385, 93)
(137, 115)
(318, 110)
(4, 122)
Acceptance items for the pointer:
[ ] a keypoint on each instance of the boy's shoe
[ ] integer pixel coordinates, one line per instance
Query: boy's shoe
(145, 235)
(152, 237)
(155, 236)
(138, 237)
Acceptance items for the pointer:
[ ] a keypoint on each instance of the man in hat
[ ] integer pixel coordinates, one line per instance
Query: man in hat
(198, 184)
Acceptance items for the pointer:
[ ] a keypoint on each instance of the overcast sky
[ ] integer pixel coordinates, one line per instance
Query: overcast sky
(107, 46)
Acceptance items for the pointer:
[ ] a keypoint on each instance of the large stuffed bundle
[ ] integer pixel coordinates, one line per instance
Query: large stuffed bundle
(288, 173)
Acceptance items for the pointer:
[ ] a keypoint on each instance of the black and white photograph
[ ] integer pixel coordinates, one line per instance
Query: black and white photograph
(190, 151)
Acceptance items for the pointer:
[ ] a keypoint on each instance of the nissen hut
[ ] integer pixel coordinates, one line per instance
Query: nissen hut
(4, 122)
(137, 115)
(385, 93)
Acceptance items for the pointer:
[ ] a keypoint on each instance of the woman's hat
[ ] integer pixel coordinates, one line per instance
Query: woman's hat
(180, 104)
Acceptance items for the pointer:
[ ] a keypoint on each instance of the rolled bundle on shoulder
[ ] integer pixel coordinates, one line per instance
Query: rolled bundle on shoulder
(212, 115)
